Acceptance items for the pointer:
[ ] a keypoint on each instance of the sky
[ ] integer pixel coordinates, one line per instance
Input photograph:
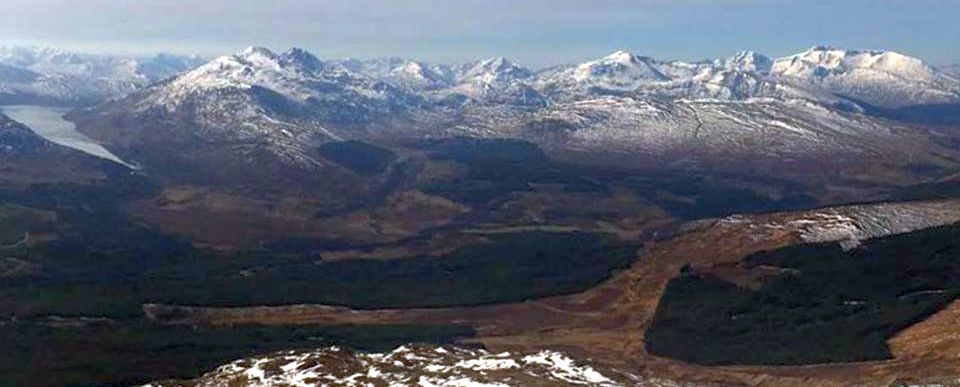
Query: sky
(537, 33)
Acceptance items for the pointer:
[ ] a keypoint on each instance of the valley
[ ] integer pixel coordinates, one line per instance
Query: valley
(620, 221)
(612, 324)
(524, 263)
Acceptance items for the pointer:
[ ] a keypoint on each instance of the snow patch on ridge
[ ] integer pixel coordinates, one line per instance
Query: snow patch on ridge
(850, 226)
(409, 366)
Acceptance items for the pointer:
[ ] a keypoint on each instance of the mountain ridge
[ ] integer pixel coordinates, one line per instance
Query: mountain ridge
(71, 78)
(714, 113)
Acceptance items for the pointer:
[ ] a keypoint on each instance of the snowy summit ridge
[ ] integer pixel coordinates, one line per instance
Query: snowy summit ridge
(808, 105)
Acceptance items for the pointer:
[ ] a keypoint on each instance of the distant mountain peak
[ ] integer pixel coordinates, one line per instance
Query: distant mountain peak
(301, 57)
(820, 58)
(824, 48)
(497, 64)
(749, 61)
(257, 50)
(65, 77)
(885, 78)
(493, 74)
(620, 56)
(414, 69)
(419, 75)
(618, 70)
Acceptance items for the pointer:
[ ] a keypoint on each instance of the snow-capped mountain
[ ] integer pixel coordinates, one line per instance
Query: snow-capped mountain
(401, 72)
(292, 95)
(746, 61)
(881, 78)
(490, 75)
(254, 117)
(742, 76)
(496, 81)
(419, 76)
(805, 107)
(619, 71)
(70, 77)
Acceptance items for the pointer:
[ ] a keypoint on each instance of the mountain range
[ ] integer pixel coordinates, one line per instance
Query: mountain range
(614, 209)
(825, 105)
(53, 76)
(258, 117)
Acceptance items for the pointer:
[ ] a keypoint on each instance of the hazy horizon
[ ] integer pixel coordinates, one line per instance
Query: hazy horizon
(537, 33)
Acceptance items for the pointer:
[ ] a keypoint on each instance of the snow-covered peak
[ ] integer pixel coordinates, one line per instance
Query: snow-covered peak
(491, 76)
(747, 61)
(497, 68)
(822, 61)
(620, 64)
(418, 75)
(412, 68)
(253, 66)
(620, 56)
(257, 51)
(256, 84)
(618, 71)
(299, 57)
(257, 55)
(883, 78)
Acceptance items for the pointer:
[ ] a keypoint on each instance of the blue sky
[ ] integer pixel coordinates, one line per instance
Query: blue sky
(535, 32)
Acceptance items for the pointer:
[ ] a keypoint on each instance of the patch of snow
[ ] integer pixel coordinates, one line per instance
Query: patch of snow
(851, 225)
(446, 367)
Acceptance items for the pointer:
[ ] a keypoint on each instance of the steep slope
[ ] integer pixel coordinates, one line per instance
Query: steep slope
(881, 78)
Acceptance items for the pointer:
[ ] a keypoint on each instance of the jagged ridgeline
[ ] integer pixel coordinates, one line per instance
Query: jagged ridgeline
(822, 111)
